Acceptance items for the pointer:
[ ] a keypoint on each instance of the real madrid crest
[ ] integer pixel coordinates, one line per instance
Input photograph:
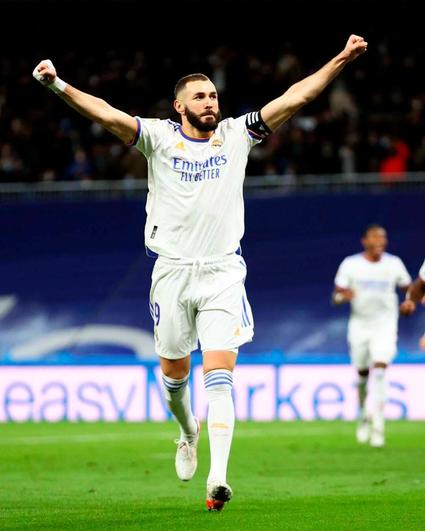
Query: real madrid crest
(217, 143)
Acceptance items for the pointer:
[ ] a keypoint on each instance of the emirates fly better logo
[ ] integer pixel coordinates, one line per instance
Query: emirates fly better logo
(195, 171)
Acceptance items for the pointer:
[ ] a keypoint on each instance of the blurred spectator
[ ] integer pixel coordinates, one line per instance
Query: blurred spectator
(79, 168)
(394, 166)
(419, 155)
(135, 166)
(11, 166)
(344, 131)
(341, 102)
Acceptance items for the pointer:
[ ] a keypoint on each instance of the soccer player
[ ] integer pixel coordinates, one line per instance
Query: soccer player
(369, 281)
(195, 221)
(415, 294)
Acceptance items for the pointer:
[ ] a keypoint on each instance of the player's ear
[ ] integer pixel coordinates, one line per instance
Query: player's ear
(178, 106)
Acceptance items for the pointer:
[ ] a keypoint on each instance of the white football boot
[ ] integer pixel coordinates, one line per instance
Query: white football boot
(377, 439)
(186, 456)
(363, 431)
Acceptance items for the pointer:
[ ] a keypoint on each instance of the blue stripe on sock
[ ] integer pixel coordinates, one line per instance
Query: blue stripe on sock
(218, 377)
(218, 382)
(174, 386)
(218, 371)
(210, 377)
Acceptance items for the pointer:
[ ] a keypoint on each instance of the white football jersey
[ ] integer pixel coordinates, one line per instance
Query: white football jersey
(195, 201)
(374, 285)
(422, 272)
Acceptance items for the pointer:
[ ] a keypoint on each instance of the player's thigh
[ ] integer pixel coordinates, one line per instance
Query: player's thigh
(225, 322)
(383, 346)
(359, 335)
(360, 354)
(173, 316)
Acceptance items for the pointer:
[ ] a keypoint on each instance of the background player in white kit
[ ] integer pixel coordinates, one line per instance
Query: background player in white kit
(194, 225)
(414, 295)
(369, 281)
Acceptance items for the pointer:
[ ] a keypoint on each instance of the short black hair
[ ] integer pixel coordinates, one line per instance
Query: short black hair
(370, 227)
(183, 81)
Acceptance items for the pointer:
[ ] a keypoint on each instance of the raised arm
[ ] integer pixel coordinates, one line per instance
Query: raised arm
(281, 109)
(115, 121)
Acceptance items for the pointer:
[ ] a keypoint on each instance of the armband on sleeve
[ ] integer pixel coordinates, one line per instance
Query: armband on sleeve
(256, 126)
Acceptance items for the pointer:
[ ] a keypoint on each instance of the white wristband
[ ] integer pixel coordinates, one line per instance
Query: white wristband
(58, 86)
(338, 297)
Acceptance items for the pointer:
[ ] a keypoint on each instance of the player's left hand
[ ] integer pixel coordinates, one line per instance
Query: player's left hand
(407, 307)
(355, 46)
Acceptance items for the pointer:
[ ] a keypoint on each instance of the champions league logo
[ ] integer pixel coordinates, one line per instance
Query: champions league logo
(194, 171)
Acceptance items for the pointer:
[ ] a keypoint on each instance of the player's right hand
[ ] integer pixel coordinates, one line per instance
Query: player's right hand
(343, 295)
(45, 72)
(349, 295)
(407, 308)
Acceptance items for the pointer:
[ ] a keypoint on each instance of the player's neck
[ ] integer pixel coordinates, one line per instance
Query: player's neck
(372, 257)
(193, 132)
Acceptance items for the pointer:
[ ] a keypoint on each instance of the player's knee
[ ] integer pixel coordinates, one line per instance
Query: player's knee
(219, 359)
(364, 373)
(177, 369)
(379, 365)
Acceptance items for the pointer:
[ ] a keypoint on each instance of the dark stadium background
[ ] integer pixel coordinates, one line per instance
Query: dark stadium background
(73, 259)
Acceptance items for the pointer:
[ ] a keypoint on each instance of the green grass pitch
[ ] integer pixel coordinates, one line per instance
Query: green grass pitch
(285, 475)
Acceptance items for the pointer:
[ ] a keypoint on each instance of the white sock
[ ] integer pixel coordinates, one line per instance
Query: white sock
(221, 420)
(379, 392)
(177, 395)
(362, 391)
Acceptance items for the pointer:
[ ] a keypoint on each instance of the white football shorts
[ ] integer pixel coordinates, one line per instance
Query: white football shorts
(372, 343)
(201, 300)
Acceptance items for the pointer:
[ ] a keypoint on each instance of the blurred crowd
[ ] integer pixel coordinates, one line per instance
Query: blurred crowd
(371, 119)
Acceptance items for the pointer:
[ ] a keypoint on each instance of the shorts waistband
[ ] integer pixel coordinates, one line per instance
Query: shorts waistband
(205, 260)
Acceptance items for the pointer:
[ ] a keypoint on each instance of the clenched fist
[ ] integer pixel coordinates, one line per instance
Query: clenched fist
(45, 72)
(355, 46)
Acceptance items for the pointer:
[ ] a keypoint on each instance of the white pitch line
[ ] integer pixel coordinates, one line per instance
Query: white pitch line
(76, 438)
(113, 437)
(240, 433)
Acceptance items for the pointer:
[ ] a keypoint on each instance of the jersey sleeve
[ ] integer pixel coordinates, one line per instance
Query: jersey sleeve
(403, 277)
(251, 137)
(148, 135)
(342, 277)
(422, 272)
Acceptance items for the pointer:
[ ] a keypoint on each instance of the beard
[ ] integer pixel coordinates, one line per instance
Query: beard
(195, 120)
